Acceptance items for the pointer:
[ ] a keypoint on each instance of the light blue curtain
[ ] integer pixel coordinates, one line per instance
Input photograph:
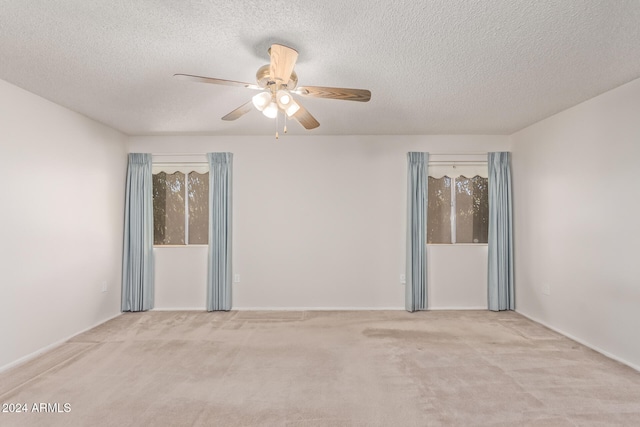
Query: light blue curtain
(416, 265)
(137, 262)
(219, 275)
(500, 271)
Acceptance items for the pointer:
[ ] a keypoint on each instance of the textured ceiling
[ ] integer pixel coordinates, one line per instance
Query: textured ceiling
(433, 67)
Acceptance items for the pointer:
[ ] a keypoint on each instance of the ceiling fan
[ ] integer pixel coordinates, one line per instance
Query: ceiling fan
(278, 82)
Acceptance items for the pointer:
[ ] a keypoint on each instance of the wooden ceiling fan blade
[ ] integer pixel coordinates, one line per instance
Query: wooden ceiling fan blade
(283, 59)
(211, 80)
(239, 112)
(360, 95)
(305, 118)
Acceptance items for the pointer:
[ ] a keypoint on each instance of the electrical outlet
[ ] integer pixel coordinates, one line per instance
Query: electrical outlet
(546, 290)
(236, 278)
(403, 279)
(104, 286)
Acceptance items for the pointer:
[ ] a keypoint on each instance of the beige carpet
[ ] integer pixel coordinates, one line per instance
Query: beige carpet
(371, 368)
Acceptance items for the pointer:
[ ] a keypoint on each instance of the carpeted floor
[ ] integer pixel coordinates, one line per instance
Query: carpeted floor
(369, 368)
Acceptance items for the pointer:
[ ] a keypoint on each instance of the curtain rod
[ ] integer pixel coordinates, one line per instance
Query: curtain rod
(431, 153)
(450, 162)
(178, 154)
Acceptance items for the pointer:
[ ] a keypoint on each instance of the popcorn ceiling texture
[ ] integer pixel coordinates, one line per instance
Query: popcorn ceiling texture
(433, 67)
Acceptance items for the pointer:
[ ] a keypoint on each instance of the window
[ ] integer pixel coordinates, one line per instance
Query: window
(180, 208)
(458, 210)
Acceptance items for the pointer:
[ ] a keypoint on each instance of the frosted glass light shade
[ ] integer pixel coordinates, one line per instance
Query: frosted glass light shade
(271, 110)
(284, 99)
(261, 100)
(292, 108)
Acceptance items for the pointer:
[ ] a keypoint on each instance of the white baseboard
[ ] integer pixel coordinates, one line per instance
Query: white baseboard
(179, 309)
(581, 341)
(457, 308)
(50, 347)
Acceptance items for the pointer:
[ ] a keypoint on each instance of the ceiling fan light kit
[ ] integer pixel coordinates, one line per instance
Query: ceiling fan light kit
(283, 98)
(271, 110)
(278, 82)
(261, 100)
(292, 109)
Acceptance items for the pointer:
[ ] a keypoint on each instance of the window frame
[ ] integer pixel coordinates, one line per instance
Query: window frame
(185, 168)
(453, 203)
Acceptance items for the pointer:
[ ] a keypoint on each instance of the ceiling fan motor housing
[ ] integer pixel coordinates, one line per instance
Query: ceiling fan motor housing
(263, 77)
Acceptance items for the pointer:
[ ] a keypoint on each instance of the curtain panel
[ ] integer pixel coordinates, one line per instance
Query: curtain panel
(137, 262)
(220, 204)
(500, 268)
(417, 202)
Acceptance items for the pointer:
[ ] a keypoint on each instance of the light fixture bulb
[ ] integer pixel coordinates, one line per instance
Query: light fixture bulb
(261, 100)
(271, 110)
(292, 108)
(284, 99)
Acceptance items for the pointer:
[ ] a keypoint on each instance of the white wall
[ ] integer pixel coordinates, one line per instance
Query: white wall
(457, 276)
(61, 220)
(319, 222)
(576, 222)
(180, 277)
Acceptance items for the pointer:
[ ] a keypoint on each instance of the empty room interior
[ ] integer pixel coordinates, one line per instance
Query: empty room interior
(441, 231)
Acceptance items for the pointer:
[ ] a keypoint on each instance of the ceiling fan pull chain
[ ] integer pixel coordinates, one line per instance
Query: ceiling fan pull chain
(285, 123)
(277, 125)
